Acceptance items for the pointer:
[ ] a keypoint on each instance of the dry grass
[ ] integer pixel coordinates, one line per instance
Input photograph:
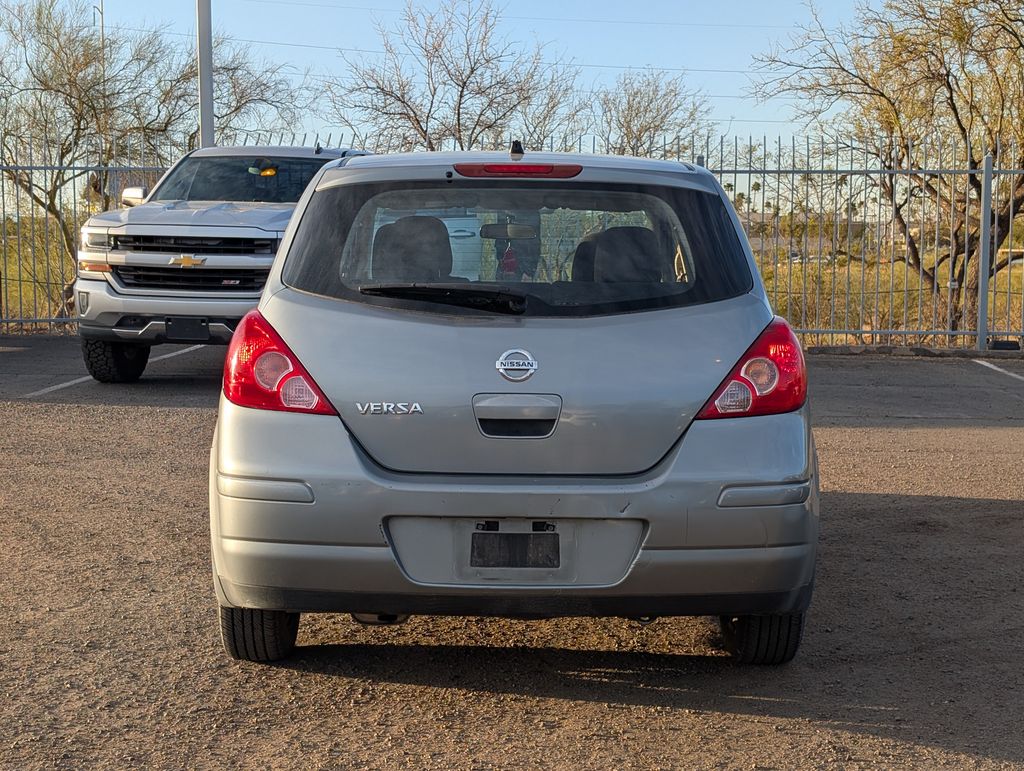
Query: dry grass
(32, 285)
(868, 299)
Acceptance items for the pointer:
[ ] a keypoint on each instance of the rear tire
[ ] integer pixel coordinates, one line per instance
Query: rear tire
(114, 362)
(769, 639)
(258, 635)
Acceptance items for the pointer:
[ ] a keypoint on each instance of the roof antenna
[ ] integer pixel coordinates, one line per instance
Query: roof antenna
(517, 150)
(318, 149)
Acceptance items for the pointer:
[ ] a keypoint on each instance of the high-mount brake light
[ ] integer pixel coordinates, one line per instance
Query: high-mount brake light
(261, 372)
(539, 170)
(770, 378)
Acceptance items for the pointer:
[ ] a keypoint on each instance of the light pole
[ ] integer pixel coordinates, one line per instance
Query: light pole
(98, 9)
(204, 52)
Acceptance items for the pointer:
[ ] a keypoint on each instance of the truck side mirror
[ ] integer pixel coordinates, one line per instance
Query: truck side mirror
(133, 196)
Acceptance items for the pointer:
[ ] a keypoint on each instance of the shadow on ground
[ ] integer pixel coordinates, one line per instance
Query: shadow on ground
(908, 639)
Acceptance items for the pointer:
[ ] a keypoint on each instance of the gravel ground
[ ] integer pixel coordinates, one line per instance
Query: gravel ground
(912, 655)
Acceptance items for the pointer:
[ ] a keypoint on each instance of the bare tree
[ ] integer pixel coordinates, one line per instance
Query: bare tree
(649, 113)
(896, 76)
(448, 78)
(556, 115)
(71, 102)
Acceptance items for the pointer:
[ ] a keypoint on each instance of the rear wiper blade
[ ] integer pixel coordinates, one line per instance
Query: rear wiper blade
(465, 295)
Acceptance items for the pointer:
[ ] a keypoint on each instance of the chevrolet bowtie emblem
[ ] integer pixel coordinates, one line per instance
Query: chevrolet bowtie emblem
(187, 261)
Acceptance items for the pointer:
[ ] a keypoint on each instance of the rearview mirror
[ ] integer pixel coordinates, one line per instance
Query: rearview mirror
(263, 168)
(133, 196)
(507, 231)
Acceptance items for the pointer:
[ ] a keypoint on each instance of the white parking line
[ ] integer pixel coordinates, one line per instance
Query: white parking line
(990, 365)
(51, 389)
(178, 353)
(78, 380)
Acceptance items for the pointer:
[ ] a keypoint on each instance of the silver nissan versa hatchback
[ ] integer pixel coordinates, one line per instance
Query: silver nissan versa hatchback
(592, 412)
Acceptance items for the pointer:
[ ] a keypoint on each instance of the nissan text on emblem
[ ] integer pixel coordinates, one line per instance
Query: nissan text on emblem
(516, 365)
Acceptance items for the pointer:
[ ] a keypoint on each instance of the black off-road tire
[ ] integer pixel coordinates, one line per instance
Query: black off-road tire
(768, 639)
(258, 635)
(114, 362)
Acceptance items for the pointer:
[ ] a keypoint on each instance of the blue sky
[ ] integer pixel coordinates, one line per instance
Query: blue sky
(714, 41)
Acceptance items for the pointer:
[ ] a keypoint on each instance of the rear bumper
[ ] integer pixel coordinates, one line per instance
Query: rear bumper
(519, 606)
(107, 315)
(661, 583)
(723, 532)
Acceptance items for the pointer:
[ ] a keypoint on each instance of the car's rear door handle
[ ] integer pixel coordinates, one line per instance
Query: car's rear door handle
(517, 406)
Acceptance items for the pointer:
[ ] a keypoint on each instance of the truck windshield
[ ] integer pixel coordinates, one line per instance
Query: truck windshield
(239, 178)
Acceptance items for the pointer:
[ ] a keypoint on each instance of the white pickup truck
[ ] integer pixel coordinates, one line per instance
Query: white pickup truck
(185, 262)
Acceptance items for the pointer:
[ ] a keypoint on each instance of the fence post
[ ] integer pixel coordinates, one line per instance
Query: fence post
(985, 257)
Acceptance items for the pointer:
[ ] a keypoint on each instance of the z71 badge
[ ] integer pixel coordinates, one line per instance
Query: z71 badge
(389, 408)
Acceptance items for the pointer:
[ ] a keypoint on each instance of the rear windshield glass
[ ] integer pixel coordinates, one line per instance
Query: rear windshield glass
(239, 178)
(561, 249)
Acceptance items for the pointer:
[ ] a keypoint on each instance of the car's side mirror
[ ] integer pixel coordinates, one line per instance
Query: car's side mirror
(133, 196)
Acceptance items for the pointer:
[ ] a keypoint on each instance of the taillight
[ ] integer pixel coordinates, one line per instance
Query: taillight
(771, 378)
(543, 170)
(261, 372)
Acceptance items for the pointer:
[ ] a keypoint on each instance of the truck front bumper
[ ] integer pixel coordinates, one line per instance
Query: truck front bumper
(106, 315)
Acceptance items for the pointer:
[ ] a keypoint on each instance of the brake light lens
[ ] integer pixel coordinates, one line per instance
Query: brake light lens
(770, 378)
(262, 373)
(541, 170)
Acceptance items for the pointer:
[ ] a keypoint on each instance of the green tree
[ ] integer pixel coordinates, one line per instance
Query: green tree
(72, 100)
(901, 73)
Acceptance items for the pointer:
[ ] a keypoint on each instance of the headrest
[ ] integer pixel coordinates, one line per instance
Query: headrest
(380, 242)
(412, 249)
(627, 254)
(583, 260)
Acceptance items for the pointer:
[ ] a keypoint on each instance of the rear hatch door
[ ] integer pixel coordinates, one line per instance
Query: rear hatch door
(416, 390)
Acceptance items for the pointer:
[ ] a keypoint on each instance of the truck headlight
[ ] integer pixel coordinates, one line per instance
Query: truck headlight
(95, 239)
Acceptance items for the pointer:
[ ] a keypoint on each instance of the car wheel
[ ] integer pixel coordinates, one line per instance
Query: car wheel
(114, 362)
(768, 639)
(258, 635)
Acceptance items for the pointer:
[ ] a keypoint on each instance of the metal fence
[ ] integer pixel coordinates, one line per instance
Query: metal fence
(858, 242)
(43, 204)
(873, 243)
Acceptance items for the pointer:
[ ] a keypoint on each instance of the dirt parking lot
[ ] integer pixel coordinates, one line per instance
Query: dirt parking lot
(109, 655)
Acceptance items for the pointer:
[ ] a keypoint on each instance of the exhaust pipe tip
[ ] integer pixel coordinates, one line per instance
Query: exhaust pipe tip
(380, 619)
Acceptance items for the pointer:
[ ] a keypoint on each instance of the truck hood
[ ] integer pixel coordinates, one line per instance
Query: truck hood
(272, 217)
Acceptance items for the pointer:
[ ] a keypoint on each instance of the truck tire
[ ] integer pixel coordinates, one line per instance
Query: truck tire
(114, 362)
(258, 635)
(768, 639)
